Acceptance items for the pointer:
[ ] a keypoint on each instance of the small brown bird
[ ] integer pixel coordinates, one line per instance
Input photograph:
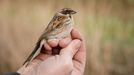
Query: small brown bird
(59, 27)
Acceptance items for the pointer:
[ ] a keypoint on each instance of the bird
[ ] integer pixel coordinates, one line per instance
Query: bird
(58, 28)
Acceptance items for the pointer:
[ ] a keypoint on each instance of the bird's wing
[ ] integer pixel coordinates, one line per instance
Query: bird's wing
(56, 22)
(35, 52)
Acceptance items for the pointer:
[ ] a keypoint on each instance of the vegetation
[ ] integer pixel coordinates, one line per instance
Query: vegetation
(107, 25)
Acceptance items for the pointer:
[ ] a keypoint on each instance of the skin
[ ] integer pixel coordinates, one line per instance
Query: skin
(70, 61)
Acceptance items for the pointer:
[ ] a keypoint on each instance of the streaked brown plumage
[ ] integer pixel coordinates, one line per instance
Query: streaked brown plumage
(59, 27)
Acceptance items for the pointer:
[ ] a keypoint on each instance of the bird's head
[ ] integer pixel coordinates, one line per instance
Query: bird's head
(67, 11)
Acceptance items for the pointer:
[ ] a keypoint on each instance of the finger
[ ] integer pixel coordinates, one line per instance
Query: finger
(42, 57)
(79, 59)
(34, 62)
(46, 51)
(80, 56)
(75, 34)
(64, 42)
(44, 54)
(53, 42)
(25, 69)
(47, 47)
(71, 49)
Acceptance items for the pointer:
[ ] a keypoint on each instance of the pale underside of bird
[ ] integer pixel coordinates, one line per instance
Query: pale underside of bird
(59, 27)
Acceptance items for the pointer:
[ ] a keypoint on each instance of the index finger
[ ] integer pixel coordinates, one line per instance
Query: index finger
(75, 34)
(80, 56)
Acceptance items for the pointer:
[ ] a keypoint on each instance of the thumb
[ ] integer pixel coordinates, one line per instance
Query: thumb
(71, 49)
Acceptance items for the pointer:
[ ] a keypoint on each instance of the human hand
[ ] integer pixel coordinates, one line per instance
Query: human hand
(70, 60)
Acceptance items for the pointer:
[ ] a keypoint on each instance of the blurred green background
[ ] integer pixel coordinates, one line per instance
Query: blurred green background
(107, 25)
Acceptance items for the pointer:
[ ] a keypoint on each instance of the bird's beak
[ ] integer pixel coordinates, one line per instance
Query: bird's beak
(73, 12)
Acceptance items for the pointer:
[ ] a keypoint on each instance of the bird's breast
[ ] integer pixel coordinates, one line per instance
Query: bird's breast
(63, 31)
